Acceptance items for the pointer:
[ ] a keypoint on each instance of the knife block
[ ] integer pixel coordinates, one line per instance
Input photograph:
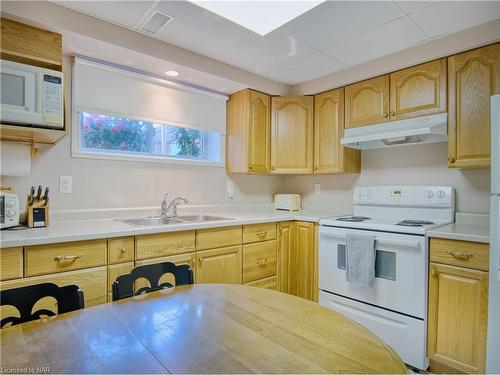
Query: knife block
(37, 213)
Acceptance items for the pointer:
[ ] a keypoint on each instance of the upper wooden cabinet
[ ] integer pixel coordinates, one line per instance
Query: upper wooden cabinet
(418, 91)
(248, 132)
(473, 77)
(30, 45)
(292, 134)
(329, 155)
(367, 102)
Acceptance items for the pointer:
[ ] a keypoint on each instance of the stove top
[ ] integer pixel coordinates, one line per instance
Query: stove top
(414, 223)
(353, 218)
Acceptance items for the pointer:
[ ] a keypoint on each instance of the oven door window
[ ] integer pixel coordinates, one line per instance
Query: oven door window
(385, 263)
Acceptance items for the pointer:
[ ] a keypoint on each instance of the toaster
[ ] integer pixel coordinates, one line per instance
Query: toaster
(288, 202)
(9, 209)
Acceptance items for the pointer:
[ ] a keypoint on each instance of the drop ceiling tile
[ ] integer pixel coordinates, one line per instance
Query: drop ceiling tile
(311, 67)
(410, 7)
(125, 13)
(335, 21)
(386, 39)
(261, 54)
(452, 16)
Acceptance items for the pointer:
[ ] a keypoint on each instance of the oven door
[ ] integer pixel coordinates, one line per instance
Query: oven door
(400, 271)
(20, 96)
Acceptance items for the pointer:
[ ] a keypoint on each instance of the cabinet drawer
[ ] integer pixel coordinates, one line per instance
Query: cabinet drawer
(259, 232)
(60, 257)
(120, 250)
(11, 263)
(460, 253)
(218, 237)
(92, 281)
(116, 270)
(267, 283)
(164, 244)
(259, 260)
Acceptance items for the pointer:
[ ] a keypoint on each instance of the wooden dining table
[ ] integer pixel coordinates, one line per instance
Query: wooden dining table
(203, 328)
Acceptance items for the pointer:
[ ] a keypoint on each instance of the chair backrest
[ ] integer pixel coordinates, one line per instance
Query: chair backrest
(69, 298)
(123, 287)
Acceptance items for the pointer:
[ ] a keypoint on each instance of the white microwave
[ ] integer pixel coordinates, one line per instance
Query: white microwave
(31, 96)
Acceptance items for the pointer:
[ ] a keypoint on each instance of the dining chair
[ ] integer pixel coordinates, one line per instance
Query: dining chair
(69, 298)
(123, 287)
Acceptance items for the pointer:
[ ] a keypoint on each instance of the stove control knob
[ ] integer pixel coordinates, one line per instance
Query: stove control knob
(430, 194)
(361, 194)
(441, 194)
(369, 194)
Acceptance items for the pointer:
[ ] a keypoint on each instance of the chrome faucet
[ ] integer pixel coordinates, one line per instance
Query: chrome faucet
(172, 206)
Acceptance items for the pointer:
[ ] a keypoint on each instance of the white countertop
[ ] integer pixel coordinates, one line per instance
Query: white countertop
(469, 227)
(78, 230)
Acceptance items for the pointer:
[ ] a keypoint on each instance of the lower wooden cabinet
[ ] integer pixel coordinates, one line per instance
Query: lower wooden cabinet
(457, 322)
(11, 263)
(222, 265)
(267, 283)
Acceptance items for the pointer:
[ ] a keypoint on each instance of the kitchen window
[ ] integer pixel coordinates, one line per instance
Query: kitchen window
(115, 135)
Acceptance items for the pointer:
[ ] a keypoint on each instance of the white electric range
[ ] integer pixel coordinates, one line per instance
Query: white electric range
(395, 308)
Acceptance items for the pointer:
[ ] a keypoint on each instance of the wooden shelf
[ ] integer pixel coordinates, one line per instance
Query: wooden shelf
(30, 135)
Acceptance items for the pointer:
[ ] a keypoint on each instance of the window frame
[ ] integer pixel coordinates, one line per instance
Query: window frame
(77, 152)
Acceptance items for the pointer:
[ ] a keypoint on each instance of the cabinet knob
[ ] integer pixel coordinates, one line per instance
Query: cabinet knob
(451, 159)
(250, 166)
(393, 113)
(386, 114)
(273, 168)
(200, 261)
(123, 250)
(316, 168)
(434, 273)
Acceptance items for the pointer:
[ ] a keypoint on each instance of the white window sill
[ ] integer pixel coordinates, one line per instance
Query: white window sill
(143, 158)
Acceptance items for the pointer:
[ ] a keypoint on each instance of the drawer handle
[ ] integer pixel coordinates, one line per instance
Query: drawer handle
(62, 258)
(261, 261)
(262, 234)
(460, 256)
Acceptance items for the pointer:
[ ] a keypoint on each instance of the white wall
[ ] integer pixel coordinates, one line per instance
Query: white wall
(422, 164)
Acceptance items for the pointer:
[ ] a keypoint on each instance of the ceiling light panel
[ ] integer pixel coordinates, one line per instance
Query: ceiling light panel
(261, 17)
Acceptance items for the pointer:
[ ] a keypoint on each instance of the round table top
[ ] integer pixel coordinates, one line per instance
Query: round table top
(202, 328)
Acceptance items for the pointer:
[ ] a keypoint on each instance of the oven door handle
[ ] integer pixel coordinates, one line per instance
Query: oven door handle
(380, 242)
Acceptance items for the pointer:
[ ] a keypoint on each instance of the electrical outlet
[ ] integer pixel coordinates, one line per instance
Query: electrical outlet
(65, 184)
(230, 189)
(317, 188)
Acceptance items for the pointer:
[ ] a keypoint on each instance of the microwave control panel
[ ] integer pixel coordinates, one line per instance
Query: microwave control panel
(53, 99)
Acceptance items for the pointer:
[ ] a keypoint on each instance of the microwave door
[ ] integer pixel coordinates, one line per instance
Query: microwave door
(18, 97)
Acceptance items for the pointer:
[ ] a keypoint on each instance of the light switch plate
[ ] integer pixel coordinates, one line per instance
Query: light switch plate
(317, 188)
(230, 189)
(65, 184)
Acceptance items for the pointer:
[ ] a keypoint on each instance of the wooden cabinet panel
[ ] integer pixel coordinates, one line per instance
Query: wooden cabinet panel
(367, 102)
(30, 45)
(292, 134)
(286, 242)
(329, 155)
(259, 232)
(164, 244)
(92, 281)
(67, 256)
(419, 90)
(302, 259)
(460, 253)
(248, 132)
(473, 77)
(458, 310)
(121, 249)
(219, 265)
(267, 283)
(116, 270)
(218, 237)
(259, 260)
(11, 263)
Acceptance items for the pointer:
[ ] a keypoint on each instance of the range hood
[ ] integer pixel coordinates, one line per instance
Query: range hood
(426, 129)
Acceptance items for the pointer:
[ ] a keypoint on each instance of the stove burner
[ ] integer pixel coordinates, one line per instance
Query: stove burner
(353, 218)
(414, 223)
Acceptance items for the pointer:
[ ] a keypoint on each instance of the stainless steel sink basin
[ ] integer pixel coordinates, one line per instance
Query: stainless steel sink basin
(150, 221)
(202, 218)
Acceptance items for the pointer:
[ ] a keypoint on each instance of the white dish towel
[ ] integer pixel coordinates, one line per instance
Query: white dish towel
(360, 259)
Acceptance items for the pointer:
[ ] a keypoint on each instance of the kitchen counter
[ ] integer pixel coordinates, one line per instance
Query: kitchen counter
(468, 227)
(87, 229)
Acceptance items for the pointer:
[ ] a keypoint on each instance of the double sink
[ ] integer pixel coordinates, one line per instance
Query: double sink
(155, 221)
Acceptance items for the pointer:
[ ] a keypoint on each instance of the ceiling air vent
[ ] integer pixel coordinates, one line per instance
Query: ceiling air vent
(155, 22)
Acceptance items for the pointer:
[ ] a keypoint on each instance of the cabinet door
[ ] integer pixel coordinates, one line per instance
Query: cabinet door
(473, 77)
(259, 132)
(329, 155)
(222, 265)
(418, 91)
(367, 102)
(285, 249)
(458, 310)
(292, 134)
(301, 264)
